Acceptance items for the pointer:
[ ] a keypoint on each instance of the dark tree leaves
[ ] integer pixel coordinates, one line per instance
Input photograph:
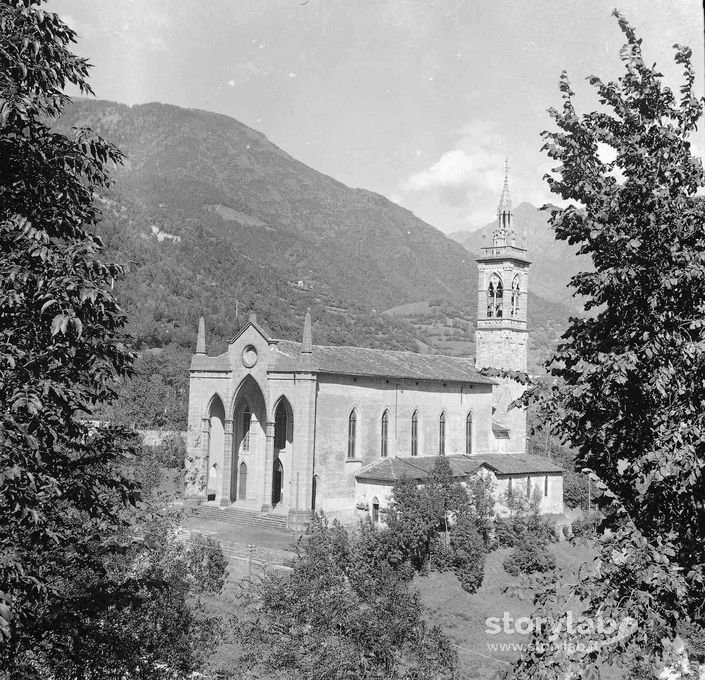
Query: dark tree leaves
(630, 388)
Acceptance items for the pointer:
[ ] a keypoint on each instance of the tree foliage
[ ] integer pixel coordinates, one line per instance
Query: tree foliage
(337, 615)
(631, 386)
(441, 524)
(81, 593)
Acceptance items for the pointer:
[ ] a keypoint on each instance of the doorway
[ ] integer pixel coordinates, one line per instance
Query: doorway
(277, 482)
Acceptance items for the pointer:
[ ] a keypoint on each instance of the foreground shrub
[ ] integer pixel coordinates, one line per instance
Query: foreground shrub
(468, 560)
(529, 557)
(586, 526)
(509, 531)
(337, 618)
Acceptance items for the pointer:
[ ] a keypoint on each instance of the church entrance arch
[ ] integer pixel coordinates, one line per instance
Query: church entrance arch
(249, 440)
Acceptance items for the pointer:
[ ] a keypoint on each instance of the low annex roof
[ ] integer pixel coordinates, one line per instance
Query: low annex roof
(388, 470)
(362, 361)
(415, 467)
(517, 464)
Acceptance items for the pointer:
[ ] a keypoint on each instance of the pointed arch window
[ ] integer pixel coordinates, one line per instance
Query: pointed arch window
(281, 426)
(495, 297)
(442, 435)
(515, 296)
(384, 435)
(415, 433)
(468, 434)
(352, 433)
(246, 420)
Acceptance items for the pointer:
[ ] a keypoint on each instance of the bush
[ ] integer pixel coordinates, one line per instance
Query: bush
(171, 453)
(482, 501)
(528, 557)
(508, 531)
(586, 526)
(575, 489)
(207, 565)
(468, 554)
(440, 554)
(540, 528)
(523, 522)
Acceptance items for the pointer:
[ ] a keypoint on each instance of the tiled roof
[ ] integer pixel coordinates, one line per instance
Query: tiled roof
(388, 470)
(516, 463)
(416, 467)
(361, 361)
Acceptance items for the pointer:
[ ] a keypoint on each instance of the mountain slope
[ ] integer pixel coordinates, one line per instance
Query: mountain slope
(190, 171)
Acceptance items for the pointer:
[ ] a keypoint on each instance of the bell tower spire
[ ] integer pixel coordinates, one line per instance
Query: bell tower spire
(504, 232)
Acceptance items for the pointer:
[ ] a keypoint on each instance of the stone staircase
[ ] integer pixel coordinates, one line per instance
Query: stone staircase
(241, 517)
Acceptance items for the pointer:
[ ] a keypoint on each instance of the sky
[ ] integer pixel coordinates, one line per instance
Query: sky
(419, 100)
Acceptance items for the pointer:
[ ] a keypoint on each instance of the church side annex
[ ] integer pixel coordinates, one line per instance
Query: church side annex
(284, 427)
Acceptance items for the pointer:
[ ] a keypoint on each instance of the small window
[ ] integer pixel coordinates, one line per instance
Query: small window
(352, 433)
(509, 486)
(545, 486)
(384, 435)
(415, 433)
(442, 435)
(468, 434)
(375, 510)
(528, 487)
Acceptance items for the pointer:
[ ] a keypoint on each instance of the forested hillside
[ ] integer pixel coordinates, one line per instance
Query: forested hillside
(210, 217)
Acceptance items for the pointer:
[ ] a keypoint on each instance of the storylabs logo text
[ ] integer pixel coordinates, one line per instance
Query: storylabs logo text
(569, 632)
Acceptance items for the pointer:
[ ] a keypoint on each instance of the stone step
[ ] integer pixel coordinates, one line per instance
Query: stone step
(239, 516)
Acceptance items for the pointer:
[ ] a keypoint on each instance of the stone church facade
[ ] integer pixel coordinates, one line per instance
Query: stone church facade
(277, 426)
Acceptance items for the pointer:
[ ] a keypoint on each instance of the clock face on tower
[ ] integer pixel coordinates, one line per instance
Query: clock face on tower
(249, 356)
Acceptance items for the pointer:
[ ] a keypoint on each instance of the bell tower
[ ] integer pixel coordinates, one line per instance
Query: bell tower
(501, 335)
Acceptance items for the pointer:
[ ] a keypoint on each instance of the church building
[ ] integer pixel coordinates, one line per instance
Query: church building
(285, 427)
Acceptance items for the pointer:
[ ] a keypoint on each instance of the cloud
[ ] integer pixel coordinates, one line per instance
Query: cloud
(475, 162)
(461, 188)
(465, 182)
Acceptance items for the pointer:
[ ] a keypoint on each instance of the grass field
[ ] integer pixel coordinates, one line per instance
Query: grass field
(462, 616)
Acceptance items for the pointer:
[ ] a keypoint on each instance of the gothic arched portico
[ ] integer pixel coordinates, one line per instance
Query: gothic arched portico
(283, 449)
(248, 442)
(215, 450)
